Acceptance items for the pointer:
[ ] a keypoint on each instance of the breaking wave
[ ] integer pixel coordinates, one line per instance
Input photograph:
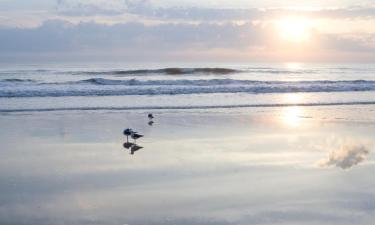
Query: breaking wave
(108, 87)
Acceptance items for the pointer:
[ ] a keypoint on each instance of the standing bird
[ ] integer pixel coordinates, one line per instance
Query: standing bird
(150, 116)
(135, 136)
(127, 133)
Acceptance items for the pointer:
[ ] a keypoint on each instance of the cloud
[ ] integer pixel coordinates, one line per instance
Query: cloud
(197, 14)
(363, 43)
(364, 12)
(61, 35)
(103, 7)
(346, 157)
(206, 40)
(147, 9)
(90, 7)
(137, 4)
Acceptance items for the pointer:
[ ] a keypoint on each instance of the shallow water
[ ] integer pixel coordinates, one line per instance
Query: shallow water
(284, 165)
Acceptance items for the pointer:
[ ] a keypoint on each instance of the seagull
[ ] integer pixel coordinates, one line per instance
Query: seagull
(135, 136)
(135, 148)
(127, 133)
(150, 116)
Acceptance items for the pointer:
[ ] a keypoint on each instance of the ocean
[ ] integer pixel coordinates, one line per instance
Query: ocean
(56, 87)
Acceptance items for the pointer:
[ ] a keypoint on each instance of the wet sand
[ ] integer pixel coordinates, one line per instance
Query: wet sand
(291, 165)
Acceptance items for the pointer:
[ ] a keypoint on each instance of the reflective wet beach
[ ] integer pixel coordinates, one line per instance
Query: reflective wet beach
(252, 166)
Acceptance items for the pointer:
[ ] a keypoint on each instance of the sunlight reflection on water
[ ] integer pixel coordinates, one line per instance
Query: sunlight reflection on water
(292, 116)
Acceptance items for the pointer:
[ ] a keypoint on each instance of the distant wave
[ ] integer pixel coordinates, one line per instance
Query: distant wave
(183, 107)
(106, 87)
(222, 71)
(192, 70)
(167, 71)
(16, 80)
(203, 71)
(24, 72)
(135, 82)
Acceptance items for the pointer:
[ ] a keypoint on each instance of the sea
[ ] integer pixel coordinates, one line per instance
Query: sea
(152, 86)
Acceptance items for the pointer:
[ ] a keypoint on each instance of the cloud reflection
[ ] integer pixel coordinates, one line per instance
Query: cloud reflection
(346, 157)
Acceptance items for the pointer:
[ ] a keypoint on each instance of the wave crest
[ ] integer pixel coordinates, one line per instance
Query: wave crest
(166, 71)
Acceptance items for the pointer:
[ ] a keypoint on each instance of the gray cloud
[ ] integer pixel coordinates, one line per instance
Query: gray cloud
(90, 7)
(147, 9)
(253, 13)
(59, 35)
(144, 8)
(137, 40)
(346, 157)
(349, 42)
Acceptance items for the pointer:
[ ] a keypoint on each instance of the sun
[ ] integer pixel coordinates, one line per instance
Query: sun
(295, 29)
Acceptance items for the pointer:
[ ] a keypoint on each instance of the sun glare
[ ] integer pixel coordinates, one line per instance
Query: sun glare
(291, 116)
(295, 29)
(293, 98)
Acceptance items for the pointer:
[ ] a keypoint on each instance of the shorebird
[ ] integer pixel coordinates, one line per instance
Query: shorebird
(150, 116)
(135, 136)
(127, 133)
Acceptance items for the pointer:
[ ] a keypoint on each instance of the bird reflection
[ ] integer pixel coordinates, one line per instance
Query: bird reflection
(135, 148)
(150, 123)
(132, 146)
(128, 145)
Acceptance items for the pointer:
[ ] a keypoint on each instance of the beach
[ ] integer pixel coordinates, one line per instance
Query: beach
(257, 165)
(145, 112)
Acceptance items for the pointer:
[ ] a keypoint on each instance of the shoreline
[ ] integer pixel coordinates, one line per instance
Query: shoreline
(188, 107)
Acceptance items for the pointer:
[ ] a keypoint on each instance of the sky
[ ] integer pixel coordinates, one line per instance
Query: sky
(188, 30)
